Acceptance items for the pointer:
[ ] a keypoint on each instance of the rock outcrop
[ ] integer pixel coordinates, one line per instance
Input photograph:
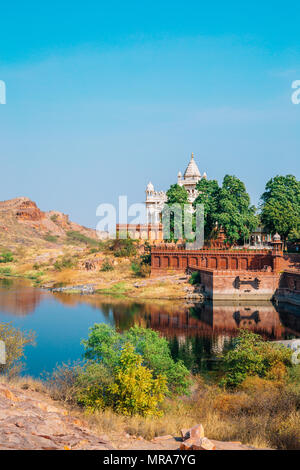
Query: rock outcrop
(22, 222)
(31, 422)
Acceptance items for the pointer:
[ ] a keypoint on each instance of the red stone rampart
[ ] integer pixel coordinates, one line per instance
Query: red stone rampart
(170, 259)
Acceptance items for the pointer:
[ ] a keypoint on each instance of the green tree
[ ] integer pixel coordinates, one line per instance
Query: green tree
(178, 195)
(123, 247)
(156, 355)
(235, 214)
(280, 206)
(104, 345)
(294, 235)
(252, 356)
(209, 192)
(135, 390)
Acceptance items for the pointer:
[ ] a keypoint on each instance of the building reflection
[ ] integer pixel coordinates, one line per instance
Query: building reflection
(175, 318)
(171, 318)
(214, 318)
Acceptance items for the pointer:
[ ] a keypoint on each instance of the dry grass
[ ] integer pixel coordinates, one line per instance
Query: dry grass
(238, 416)
(261, 414)
(25, 383)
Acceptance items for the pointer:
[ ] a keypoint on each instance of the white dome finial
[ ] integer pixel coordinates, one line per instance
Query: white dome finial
(277, 237)
(150, 187)
(192, 170)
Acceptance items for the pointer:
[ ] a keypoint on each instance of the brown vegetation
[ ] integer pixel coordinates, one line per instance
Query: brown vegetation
(262, 414)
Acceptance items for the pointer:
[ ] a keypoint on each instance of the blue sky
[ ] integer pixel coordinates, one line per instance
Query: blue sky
(104, 96)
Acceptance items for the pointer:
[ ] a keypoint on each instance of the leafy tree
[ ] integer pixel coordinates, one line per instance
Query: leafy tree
(251, 356)
(15, 341)
(135, 390)
(176, 194)
(235, 214)
(208, 196)
(157, 356)
(280, 205)
(123, 247)
(294, 235)
(105, 344)
(140, 269)
(141, 266)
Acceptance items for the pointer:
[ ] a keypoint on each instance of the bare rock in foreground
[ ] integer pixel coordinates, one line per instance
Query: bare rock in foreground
(30, 423)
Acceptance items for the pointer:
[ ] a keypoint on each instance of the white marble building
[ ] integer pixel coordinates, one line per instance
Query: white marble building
(155, 200)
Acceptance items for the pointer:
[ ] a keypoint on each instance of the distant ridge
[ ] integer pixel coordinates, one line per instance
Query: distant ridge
(22, 222)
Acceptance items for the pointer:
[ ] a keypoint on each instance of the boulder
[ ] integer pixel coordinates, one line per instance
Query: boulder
(197, 444)
(204, 444)
(197, 432)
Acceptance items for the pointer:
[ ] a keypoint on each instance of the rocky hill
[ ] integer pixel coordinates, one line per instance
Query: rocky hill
(22, 222)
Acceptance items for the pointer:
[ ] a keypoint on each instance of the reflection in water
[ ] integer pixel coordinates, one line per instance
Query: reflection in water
(181, 319)
(17, 298)
(196, 332)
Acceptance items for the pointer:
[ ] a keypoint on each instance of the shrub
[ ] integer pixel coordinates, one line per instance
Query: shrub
(6, 270)
(15, 341)
(51, 238)
(6, 257)
(128, 387)
(104, 345)
(65, 262)
(62, 383)
(252, 356)
(54, 218)
(79, 383)
(93, 382)
(195, 278)
(140, 269)
(123, 248)
(135, 390)
(146, 257)
(77, 237)
(107, 266)
(142, 266)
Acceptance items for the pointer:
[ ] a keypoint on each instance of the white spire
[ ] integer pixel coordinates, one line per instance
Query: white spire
(150, 187)
(192, 170)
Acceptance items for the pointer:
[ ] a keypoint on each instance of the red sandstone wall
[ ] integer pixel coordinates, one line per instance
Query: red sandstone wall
(178, 260)
(244, 285)
(289, 287)
(290, 261)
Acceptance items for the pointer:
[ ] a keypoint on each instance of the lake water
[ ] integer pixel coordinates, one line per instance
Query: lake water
(196, 333)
